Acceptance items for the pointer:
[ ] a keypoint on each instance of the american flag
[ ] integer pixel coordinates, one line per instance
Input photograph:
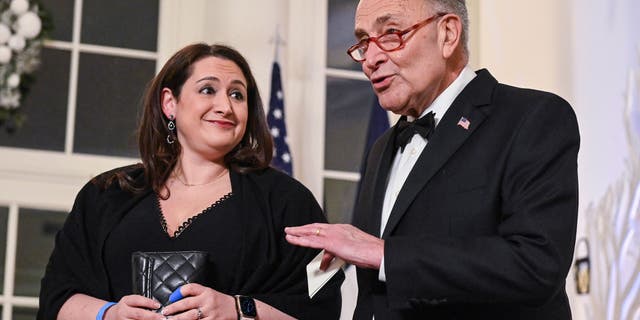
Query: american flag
(275, 118)
(463, 122)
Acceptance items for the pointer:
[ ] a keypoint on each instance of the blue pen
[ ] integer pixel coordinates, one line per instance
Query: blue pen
(175, 295)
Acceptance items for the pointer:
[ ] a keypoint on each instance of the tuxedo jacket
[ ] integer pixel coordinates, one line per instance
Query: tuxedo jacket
(484, 226)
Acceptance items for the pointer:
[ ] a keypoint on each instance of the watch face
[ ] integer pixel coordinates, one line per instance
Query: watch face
(247, 306)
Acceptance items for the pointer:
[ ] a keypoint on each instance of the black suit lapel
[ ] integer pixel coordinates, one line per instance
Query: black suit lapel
(447, 138)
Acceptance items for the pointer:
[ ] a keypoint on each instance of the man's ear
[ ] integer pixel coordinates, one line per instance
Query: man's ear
(169, 102)
(450, 28)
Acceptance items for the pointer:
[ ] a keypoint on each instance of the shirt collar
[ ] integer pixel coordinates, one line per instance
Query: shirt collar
(442, 103)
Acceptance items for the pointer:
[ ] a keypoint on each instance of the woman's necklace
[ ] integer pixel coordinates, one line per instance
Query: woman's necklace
(189, 185)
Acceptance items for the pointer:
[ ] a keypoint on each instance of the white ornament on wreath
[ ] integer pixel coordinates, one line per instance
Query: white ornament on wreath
(5, 33)
(29, 25)
(16, 42)
(13, 81)
(21, 40)
(19, 6)
(5, 54)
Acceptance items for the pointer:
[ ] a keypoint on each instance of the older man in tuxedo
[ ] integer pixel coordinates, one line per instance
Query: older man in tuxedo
(468, 205)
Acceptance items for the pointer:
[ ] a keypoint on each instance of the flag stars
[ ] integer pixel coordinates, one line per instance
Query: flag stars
(282, 158)
(275, 132)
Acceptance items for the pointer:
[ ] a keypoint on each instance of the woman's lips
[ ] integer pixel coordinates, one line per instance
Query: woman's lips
(222, 123)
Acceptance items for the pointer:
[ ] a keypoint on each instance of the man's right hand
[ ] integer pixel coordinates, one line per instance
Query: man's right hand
(339, 240)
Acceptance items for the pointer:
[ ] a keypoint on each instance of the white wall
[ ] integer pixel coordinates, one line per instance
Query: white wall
(525, 43)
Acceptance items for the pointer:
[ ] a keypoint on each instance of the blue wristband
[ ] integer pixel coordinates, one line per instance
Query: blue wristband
(102, 310)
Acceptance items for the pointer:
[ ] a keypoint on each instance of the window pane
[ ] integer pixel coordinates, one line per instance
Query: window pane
(110, 91)
(347, 115)
(45, 106)
(4, 214)
(340, 34)
(339, 198)
(121, 23)
(22, 313)
(61, 15)
(36, 234)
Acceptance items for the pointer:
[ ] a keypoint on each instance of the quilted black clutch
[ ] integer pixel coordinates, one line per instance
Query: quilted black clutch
(157, 274)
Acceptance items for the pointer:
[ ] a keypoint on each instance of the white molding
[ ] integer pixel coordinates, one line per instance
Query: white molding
(342, 175)
(46, 179)
(51, 164)
(6, 301)
(181, 23)
(121, 52)
(103, 50)
(346, 74)
(56, 44)
(473, 8)
(73, 78)
(10, 260)
(21, 301)
(305, 90)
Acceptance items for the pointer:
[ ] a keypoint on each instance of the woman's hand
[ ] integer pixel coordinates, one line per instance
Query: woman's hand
(134, 307)
(201, 302)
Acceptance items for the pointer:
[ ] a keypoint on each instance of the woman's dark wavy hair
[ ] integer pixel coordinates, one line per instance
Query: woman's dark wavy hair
(255, 150)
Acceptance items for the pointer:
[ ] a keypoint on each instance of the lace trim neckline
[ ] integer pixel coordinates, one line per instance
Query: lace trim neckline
(190, 220)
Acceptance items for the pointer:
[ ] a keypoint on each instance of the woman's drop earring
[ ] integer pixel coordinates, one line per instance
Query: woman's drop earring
(172, 128)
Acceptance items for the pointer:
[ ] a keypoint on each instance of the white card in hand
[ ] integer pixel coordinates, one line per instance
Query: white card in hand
(317, 278)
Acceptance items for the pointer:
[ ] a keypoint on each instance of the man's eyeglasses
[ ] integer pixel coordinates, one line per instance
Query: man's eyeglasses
(387, 42)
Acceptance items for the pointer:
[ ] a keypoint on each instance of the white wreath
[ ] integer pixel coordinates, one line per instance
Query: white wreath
(21, 39)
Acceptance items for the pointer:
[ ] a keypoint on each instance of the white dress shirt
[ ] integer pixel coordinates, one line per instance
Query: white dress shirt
(403, 162)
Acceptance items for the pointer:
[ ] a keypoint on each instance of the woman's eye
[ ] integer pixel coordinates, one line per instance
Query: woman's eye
(391, 30)
(207, 90)
(237, 95)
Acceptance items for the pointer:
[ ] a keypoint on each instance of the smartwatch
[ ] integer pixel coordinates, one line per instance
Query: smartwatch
(246, 308)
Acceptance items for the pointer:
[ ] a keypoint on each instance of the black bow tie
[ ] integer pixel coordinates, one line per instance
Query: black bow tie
(405, 129)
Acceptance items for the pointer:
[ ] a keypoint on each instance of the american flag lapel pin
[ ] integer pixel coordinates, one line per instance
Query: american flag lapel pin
(464, 123)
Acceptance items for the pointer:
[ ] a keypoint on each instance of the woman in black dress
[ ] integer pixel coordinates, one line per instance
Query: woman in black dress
(204, 184)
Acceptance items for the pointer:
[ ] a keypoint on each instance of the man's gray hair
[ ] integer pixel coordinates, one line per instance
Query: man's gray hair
(459, 8)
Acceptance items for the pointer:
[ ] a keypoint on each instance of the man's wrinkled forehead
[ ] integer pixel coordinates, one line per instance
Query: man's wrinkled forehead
(376, 13)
